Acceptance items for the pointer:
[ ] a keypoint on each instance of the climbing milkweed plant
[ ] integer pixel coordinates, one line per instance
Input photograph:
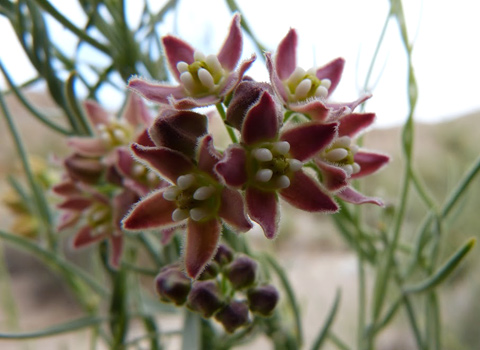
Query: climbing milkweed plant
(152, 195)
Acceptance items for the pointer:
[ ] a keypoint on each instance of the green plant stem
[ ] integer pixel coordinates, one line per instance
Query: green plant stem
(231, 132)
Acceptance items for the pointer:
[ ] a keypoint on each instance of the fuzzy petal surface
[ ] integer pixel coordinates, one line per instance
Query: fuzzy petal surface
(285, 57)
(354, 123)
(351, 196)
(308, 139)
(231, 50)
(151, 212)
(315, 109)
(156, 92)
(96, 113)
(177, 50)
(115, 244)
(232, 167)
(191, 102)
(169, 163)
(201, 244)
(261, 122)
(232, 210)
(207, 156)
(334, 177)
(75, 204)
(276, 82)
(85, 236)
(263, 208)
(333, 71)
(88, 146)
(136, 112)
(305, 193)
(369, 162)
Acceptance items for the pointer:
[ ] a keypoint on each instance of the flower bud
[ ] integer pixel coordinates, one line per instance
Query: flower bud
(262, 300)
(205, 298)
(224, 255)
(172, 285)
(210, 272)
(233, 315)
(242, 272)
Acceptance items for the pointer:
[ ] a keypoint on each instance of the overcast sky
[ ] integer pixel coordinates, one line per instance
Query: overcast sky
(445, 33)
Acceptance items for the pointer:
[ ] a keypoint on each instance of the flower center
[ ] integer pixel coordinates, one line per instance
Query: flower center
(271, 165)
(195, 196)
(302, 85)
(204, 76)
(115, 133)
(342, 153)
(144, 175)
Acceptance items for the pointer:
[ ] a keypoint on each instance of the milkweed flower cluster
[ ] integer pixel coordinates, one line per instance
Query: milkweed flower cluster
(295, 145)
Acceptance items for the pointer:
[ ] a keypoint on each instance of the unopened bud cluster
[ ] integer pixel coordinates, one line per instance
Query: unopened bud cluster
(228, 290)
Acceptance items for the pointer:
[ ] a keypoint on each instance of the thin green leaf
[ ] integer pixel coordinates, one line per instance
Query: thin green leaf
(322, 335)
(74, 106)
(443, 272)
(192, 334)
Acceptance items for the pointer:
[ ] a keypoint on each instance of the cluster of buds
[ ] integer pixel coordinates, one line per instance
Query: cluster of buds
(308, 160)
(227, 290)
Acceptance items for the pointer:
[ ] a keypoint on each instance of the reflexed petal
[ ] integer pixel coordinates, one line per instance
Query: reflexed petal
(285, 57)
(350, 105)
(84, 169)
(66, 188)
(308, 139)
(85, 236)
(263, 209)
(144, 139)
(190, 102)
(88, 146)
(177, 50)
(305, 193)
(207, 156)
(96, 113)
(262, 121)
(125, 161)
(369, 162)
(232, 168)
(333, 71)
(76, 204)
(68, 219)
(167, 234)
(136, 112)
(352, 124)
(315, 109)
(115, 244)
(179, 130)
(232, 210)
(231, 49)
(201, 244)
(352, 196)
(122, 203)
(276, 82)
(151, 212)
(155, 92)
(169, 163)
(334, 177)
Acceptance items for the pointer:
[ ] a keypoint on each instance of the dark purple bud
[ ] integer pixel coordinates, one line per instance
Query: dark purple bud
(210, 272)
(224, 255)
(172, 285)
(205, 298)
(245, 95)
(84, 169)
(262, 300)
(242, 272)
(233, 315)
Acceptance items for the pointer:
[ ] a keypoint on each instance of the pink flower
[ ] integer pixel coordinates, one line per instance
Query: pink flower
(195, 198)
(343, 160)
(97, 215)
(268, 163)
(203, 80)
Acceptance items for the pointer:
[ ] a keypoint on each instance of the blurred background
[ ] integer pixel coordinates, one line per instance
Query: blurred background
(317, 259)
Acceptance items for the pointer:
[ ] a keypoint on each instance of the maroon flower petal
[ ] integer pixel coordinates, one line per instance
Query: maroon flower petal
(263, 209)
(231, 49)
(308, 139)
(66, 188)
(190, 102)
(68, 219)
(151, 212)
(177, 50)
(156, 92)
(315, 109)
(76, 204)
(201, 244)
(285, 57)
(122, 203)
(169, 163)
(306, 194)
(333, 71)
(262, 121)
(232, 168)
(85, 236)
(136, 112)
(95, 113)
(352, 124)
(334, 177)
(116, 249)
(88, 146)
(144, 139)
(232, 210)
(340, 107)
(207, 156)
(178, 130)
(369, 162)
(125, 161)
(352, 196)
(275, 80)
